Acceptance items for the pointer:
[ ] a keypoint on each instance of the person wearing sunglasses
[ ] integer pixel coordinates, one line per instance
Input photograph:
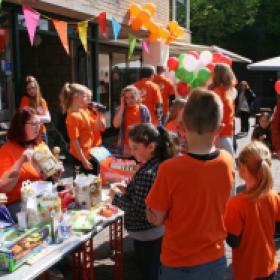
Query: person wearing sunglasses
(16, 156)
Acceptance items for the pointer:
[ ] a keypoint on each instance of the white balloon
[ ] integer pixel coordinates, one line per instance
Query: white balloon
(206, 57)
(199, 65)
(189, 63)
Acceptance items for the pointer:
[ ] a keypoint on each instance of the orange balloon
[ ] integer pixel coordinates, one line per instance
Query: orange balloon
(164, 33)
(144, 15)
(153, 37)
(153, 27)
(151, 7)
(173, 25)
(136, 24)
(170, 39)
(134, 9)
(180, 31)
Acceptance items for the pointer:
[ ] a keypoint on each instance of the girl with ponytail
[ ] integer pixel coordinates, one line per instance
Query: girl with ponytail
(150, 146)
(84, 126)
(251, 216)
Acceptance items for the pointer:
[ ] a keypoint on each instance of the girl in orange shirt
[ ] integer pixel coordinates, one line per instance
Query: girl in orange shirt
(222, 84)
(130, 112)
(83, 126)
(33, 98)
(251, 216)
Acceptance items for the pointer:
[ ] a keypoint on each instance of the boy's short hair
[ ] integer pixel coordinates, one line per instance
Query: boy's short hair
(203, 111)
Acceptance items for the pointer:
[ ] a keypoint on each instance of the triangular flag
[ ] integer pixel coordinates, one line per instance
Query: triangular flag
(116, 28)
(132, 44)
(0, 4)
(31, 20)
(4, 35)
(82, 28)
(61, 29)
(102, 23)
(146, 46)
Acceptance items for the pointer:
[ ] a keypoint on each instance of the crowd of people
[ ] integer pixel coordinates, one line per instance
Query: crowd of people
(179, 206)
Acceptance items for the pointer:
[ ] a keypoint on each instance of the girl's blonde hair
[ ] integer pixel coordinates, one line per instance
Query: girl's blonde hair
(223, 76)
(177, 105)
(68, 92)
(134, 90)
(257, 159)
(37, 99)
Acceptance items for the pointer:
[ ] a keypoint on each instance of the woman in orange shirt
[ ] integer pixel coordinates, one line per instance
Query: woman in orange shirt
(33, 98)
(251, 216)
(223, 83)
(130, 112)
(83, 125)
(16, 165)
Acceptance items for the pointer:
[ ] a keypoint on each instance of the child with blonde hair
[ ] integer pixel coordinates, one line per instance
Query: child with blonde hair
(251, 216)
(83, 125)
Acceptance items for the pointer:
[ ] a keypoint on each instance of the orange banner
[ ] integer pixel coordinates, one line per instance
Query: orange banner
(61, 29)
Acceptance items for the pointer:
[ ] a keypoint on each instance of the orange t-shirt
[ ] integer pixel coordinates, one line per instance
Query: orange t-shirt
(10, 152)
(80, 125)
(194, 194)
(228, 103)
(132, 117)
(40, 110)
(255, 257)
(172, 126)
(150, 96)
(166, 88)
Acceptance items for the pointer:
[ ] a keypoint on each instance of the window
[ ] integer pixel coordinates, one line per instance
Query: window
(178, 11)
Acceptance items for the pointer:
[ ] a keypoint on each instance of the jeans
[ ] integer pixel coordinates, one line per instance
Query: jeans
(214, 270)
(147, 254)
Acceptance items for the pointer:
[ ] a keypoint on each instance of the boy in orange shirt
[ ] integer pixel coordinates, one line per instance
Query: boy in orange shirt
(150, 94)
(251, 216)
(190, 194)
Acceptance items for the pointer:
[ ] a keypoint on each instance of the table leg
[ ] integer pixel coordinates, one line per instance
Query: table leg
(117, 238)
(83, 259)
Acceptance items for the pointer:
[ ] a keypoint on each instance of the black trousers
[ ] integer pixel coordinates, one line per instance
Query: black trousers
(147, 254)
(244, 119)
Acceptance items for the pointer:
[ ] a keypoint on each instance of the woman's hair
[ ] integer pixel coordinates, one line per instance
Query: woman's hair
(134, 90)
(37, 99)
(68, 92)
(147, 133)
(177, 105)
(257, 159)
(16, 131)
(223, 76)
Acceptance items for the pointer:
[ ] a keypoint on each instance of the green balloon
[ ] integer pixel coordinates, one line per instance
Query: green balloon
(203, 75)
(184, 75)
(181, 58)
(195, 83)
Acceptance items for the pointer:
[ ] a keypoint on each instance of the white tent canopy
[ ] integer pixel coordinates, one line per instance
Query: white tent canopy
(272, 64)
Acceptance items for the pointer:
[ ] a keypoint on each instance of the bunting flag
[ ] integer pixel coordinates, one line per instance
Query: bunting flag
(61, 29)
(0, 4)
(102, 23)
(146, 46)
(132, 44)
(116, 28)
(4, 35)
(31, 20)
(82, 28)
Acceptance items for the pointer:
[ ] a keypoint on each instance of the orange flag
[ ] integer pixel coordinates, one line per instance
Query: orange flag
(61, 29)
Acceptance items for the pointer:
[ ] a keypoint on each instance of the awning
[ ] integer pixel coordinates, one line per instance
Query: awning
(272, 64)
(177, 48)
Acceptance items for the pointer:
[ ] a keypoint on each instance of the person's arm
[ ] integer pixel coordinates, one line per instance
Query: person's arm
(45, 118)
(119, 114)
(10, 178)
(155, 217)
(100, 123)
(79, 151)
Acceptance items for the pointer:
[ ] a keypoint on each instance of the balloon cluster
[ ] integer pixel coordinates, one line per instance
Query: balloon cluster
(277, 87)
(193, 69)
(142, 17)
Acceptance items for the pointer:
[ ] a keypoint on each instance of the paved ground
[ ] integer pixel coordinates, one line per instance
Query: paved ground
(103, 263)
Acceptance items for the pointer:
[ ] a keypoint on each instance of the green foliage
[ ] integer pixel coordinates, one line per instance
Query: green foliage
(213, 20)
